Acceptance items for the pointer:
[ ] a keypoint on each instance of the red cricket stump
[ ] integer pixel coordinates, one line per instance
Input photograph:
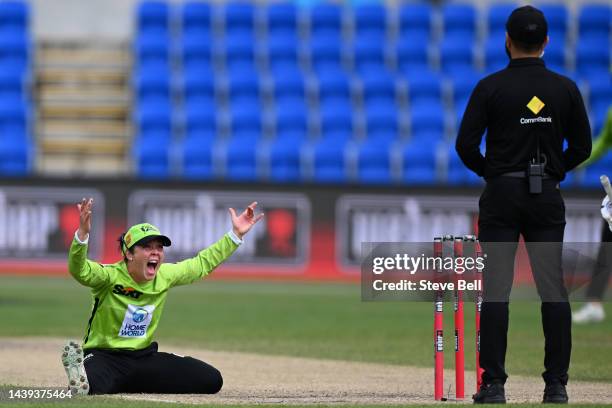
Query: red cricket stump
(438, 333)
(479, 370)
(459, 328)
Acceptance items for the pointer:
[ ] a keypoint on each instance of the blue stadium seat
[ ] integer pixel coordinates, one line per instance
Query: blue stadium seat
(378, 86)
(412, 53)
(600, 91)
(459, 20)
(152, 158)
(336, 121)
(245, 120)
(243, 83)
(200, 119)
(15, 51)
(281, 19)
(14, 17)
(497, 16)
(152, 49)
(463, 83)
(326, 20)
(495, 53)
(424, 86)
(239, 18)
(285, 160)
(456, 52)
(415, 21)
(368, 54)
(419, 163)
(239, 49)
(374, 163)
(14, 118)
(154, 121)
(382, 122)
(426, 119)
(15, 156)
(13, 84)
(554, 55)
(153, 85)
(282, 51)
(197, 153)
(333, 84)
(593, 55)
(198, 84)
(325, 52)
(289, 84)
(152, 18)
(557, 19)
(196, 49)
(370, 20)
(291, 120)
(196, 18)
(241, 158)
(329, 161)
(594, 20)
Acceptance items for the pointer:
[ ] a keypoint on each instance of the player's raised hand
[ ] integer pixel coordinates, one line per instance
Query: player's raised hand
(241, 224)
(84, 208)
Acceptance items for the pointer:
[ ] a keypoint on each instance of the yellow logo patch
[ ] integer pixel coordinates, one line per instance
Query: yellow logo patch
(535, 105)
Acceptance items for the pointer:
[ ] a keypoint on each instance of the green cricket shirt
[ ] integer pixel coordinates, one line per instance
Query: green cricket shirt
(125, 314)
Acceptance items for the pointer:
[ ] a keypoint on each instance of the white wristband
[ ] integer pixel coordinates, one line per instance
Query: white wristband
(234, 237)
(83, 242)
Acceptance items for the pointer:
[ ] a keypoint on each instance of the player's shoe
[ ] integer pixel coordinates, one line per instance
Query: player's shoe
(555, 394)
(591, 312)
(490, 394)
(72, 359)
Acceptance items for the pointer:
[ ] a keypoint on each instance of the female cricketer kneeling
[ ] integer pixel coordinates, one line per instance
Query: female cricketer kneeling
(117, 354)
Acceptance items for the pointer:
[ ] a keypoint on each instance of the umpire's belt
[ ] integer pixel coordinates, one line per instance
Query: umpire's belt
(523, 174)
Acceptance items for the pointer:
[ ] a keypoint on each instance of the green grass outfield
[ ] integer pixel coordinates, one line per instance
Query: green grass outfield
(300, 319)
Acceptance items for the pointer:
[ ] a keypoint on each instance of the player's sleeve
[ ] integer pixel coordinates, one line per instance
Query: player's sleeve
(198, 267)
(86, 272)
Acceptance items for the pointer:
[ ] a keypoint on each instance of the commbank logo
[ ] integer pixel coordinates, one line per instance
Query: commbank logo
(130, 292)
(535, 105)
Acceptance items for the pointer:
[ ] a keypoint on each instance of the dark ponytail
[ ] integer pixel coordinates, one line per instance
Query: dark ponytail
(123, 246)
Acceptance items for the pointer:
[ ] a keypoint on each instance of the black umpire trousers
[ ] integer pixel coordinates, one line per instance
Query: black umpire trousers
(508, 210)
(149, 371)
(603, 267)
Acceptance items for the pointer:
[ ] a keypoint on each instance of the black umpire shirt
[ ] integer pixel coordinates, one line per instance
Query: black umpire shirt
(515, 106)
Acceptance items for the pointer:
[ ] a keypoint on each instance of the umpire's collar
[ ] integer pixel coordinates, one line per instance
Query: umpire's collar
(524, 62)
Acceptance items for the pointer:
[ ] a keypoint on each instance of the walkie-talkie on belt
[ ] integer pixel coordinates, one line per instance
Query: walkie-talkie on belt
(535, 170)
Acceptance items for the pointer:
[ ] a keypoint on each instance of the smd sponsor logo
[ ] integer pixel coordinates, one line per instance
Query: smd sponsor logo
(126, 291)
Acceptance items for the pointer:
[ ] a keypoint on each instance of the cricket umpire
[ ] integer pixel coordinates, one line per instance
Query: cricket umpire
(528, 112)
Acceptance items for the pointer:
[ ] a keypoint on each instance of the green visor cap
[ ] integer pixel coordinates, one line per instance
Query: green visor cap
(140, 232)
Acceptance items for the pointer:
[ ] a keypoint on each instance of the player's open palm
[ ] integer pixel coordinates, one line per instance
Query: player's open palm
(242, 223)
(84, 208)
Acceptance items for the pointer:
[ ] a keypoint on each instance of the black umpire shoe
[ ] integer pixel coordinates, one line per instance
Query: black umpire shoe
(555, 394)
(490, 394)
